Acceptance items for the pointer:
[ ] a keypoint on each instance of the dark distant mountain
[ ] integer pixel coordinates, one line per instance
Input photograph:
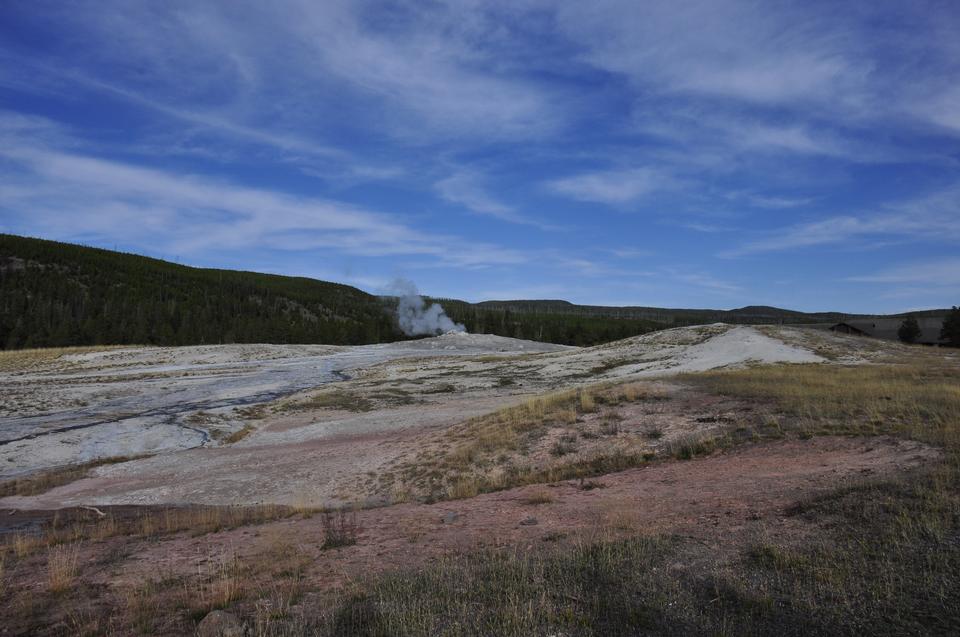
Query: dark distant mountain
(59, 294)
(752, 314)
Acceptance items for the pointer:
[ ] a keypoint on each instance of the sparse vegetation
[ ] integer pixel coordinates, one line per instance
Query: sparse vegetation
(567, 443)
(76, 525)
(44, 481)
(916, 398)
(873, 557)
(481, 454)
(239, 434)
(540, 496)
(62, 567)
(330, 399)
(340, 528)
(26, 359)
(883, 557)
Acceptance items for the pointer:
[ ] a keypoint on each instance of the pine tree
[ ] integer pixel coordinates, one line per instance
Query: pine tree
(950, 332)
(909, 330)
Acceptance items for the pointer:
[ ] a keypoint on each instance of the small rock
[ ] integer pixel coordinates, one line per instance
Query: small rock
(528, 521)
(450, 517)
(220, 624)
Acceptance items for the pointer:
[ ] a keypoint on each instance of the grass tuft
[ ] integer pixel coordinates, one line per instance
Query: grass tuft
(62, 567)
(340, 528)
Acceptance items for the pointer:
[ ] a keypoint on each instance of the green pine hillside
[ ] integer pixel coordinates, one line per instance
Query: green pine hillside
(56, 294)
(59, 294)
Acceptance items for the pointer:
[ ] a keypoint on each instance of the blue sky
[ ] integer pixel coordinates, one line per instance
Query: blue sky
(710, 153)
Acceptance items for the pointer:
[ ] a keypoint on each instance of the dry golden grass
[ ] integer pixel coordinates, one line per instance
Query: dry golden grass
(24, 545)
(540, 496)
(26, 359)
(62, 566)
(44, 481)
(338, 399)
(587, 402)
(486, 453)
(918, 398)
(77, 526)
(239, 435)
(221, 582)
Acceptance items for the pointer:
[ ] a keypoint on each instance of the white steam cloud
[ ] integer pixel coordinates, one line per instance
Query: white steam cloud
(415, 317)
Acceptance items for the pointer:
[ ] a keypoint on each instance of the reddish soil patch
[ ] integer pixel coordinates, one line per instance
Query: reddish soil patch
(708, 498)
(721, 502)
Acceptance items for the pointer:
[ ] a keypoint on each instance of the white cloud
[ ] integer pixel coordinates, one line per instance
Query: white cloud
(280, 72)
(939, 272)
(614, 186)
(723, 48)
(465, 188)
(66, 194)
(931, 218)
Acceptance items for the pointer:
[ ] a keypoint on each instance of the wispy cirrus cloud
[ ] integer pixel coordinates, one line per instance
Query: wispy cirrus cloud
(931, 218)
(939, 272)
(356, 129)
(614, 187)
(261, 66)
(67, 194)
(466, 188)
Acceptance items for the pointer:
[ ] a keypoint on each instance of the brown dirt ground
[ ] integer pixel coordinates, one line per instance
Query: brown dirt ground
(725, 492)
(722, 502)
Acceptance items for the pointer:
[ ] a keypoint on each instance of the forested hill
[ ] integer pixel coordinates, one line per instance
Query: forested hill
(58, 294)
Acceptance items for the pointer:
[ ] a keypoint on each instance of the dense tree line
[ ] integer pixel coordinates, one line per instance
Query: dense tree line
(570, 328)
(56, 294)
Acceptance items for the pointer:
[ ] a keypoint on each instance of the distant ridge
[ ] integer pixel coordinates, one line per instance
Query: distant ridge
(55, 294)
(751, 314)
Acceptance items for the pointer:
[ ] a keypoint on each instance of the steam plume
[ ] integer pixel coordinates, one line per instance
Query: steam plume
(416, 317)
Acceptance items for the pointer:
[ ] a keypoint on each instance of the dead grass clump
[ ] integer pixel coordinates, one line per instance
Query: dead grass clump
(610, 427)
(540, 496)
(239, 435)
(691, 445)
(330, 399)
(140, 604)
(23, 545)
(62, 566)
(567, 443)
(340, 528)
(587, 403)
(220, 582)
